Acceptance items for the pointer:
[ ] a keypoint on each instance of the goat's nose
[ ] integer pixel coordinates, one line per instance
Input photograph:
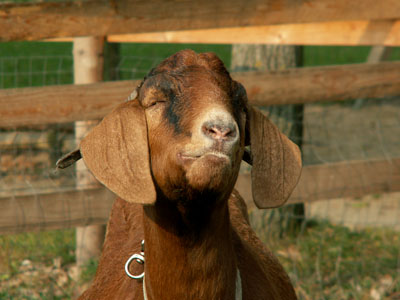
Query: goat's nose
(219, 130)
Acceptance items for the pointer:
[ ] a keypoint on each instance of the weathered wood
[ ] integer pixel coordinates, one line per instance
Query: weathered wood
(61, 104)
(71, 208)
(338, 180)
(103, 17)
(351, 33)
(68, 103)
(88, 68)
(347, 179)
(60, 209)
(378, 53)
(323, 84)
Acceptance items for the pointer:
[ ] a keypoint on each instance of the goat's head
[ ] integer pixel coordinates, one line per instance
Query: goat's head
(184, 134)
(195, 125)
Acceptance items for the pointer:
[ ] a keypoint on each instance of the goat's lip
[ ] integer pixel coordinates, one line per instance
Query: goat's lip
(190, 157)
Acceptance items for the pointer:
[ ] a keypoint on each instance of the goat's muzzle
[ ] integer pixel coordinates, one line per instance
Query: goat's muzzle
(215, 138)
(212, 156)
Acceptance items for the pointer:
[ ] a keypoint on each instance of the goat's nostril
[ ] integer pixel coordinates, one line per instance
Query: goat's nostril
(219, 131)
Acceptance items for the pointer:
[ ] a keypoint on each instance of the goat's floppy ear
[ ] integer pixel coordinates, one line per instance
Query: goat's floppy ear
(276, 161)
(116, 152)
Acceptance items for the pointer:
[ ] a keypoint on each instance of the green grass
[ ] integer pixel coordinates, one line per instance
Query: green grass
(41, 247)
(323, 260)
(34, 265)
(334, 262)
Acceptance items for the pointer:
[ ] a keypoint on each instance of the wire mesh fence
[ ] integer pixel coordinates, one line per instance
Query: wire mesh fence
(345, 248)
(35, 71)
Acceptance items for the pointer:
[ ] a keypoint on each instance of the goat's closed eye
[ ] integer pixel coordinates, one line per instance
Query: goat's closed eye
(155, 102)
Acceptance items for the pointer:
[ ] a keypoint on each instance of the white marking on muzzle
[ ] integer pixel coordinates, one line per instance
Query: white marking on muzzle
(215, 115)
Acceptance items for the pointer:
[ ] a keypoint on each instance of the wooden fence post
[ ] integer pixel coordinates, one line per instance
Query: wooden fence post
(88, 68)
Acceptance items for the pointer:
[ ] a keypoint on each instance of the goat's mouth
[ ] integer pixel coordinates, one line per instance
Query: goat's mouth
(213, 156)
(208, 170)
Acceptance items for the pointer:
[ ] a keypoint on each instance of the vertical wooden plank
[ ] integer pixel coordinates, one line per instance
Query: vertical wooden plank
(378, 54)
(88, 68)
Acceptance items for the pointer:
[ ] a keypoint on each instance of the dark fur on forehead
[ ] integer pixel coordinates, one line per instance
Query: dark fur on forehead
(180, 72)
(187, 59)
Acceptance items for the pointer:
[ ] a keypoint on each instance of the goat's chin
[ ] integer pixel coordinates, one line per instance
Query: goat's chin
(209, 172)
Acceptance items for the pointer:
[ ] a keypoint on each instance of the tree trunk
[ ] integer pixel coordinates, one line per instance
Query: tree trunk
(289, 118)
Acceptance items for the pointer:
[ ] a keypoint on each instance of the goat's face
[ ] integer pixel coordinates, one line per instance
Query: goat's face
(195, 123)
(184, 135)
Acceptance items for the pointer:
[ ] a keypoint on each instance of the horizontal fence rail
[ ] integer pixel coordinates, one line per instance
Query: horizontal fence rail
(71, 208)
(351, 33)
(68, 103)
(338, 180)
(54, 210)
(101, 18)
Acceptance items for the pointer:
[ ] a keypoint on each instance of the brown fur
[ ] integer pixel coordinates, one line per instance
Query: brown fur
(196, 231)
(262, 275)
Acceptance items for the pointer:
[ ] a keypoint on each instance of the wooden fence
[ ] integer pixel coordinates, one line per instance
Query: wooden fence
(71, 208)
(30, 106)
(358, 22)
(68, 103)
(104, 18)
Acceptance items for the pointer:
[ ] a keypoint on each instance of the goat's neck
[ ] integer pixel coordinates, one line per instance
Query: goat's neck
(189, 260)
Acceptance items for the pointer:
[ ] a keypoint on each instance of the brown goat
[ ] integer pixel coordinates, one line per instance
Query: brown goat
(172, 155)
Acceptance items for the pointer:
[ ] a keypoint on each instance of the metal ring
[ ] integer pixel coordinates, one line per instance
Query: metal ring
(140, 260)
